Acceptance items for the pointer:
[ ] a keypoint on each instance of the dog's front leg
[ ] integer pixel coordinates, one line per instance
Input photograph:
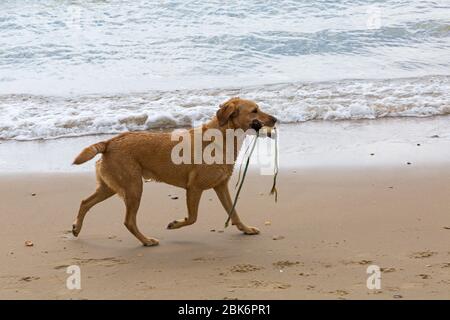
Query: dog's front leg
(224, 196)
(193, 196)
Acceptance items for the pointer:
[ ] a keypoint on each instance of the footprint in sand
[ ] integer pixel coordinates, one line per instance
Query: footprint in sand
(103, 262)
(422, 254)
(392, 289)
(254, 284)
(207, 259)
(362, 262)
(245, 268)
(285, 263)
(281, 286)
(339, 292)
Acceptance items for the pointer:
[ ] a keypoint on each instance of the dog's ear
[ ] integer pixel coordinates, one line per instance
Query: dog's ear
(226, 111)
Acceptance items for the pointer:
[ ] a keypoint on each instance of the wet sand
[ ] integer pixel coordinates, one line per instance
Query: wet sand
(340, 210)
(316, 242)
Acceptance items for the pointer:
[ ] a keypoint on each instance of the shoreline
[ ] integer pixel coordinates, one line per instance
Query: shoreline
(326, 144)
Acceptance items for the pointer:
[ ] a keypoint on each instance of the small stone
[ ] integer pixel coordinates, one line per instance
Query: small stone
(447, 228)
(397, 296)
(418, 144)
(277, 238)
(29, 243)
(33, 194)
(372, 154)
(212, 230)
(268, 223)
(435, 136)
(408, 163)
(174, 198)
(220, 231)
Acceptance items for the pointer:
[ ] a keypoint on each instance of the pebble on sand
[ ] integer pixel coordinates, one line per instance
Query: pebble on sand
(33, 194)
(277, 238)
(268, 223)
(29, 243)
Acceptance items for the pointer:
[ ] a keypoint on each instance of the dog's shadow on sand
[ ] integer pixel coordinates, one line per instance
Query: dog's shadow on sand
(127, 248)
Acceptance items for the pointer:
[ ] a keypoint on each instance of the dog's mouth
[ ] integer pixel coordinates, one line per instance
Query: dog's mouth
(263, 130)
(256, 125)
(270, 132)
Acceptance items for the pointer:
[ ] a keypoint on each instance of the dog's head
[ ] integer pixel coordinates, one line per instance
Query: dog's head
(244, 114)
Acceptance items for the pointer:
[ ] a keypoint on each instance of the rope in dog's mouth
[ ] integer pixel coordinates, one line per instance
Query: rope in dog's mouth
(241, 180)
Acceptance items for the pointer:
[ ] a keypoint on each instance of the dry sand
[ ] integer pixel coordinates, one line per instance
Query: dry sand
(330, 225)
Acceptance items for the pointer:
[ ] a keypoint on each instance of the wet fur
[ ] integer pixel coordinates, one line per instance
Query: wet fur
(130, 157)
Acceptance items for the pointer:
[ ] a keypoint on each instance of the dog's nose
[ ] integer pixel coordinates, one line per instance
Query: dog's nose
(273, 119)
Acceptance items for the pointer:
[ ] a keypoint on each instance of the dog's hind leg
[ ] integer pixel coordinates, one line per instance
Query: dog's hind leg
(224, 196)
(193, 196)
(103, 192)
(132, 198)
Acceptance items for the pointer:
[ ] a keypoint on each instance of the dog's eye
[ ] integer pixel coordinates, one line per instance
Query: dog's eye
(255, 111)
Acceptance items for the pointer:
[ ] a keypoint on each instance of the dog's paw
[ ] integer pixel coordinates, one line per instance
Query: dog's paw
(175, 224)
(75, 230)
(251, 230)
(150, 242)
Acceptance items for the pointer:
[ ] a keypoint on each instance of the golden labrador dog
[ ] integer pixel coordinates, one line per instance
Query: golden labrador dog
(130, 157)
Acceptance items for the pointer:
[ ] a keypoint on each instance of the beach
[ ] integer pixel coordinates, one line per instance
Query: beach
(361, 94)
(352, 194)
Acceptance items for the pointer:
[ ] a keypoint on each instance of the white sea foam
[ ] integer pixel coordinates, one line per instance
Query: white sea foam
(86, 67)
(27, 117)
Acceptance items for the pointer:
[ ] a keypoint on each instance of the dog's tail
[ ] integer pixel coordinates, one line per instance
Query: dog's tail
(90, 152)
